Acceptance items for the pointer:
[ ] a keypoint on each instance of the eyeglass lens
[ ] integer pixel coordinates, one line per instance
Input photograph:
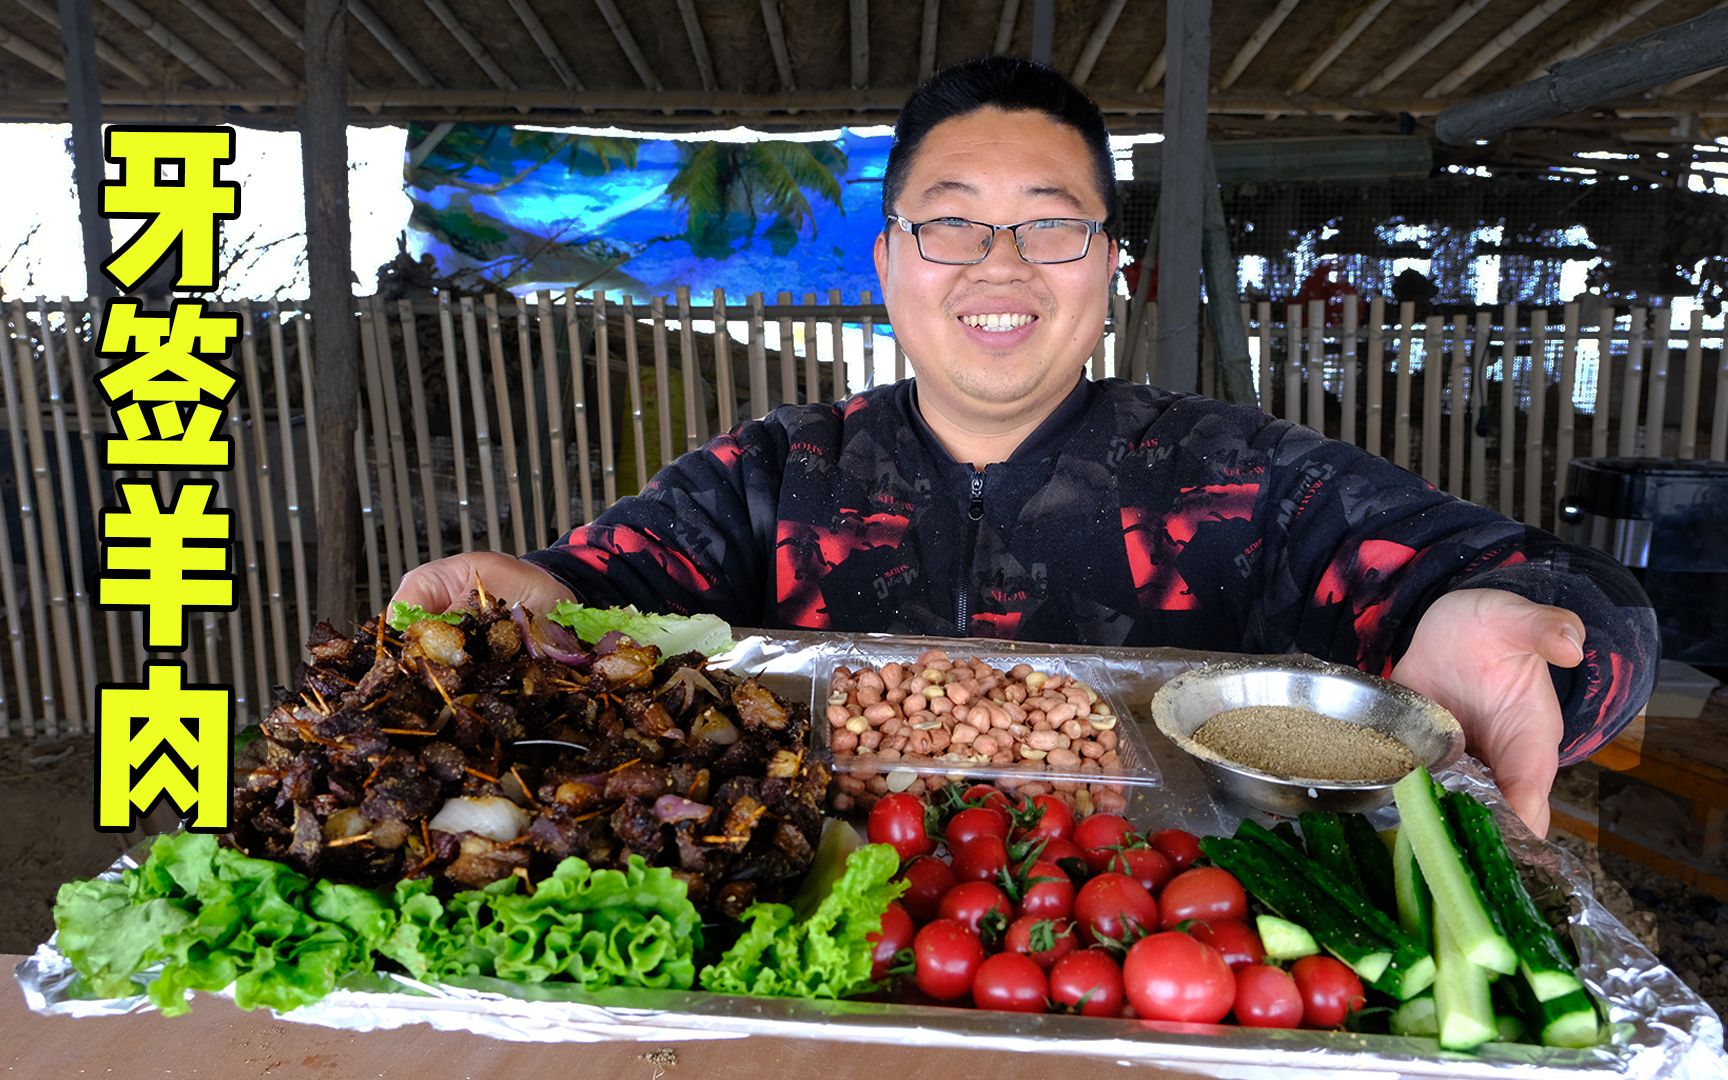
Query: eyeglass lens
(1046, 240)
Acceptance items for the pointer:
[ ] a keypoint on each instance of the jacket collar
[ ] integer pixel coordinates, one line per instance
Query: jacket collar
(1046, 440)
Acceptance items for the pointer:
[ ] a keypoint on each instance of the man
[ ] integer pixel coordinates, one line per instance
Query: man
(1002, 494)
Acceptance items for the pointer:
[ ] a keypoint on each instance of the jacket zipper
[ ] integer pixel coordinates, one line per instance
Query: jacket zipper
(975, 513)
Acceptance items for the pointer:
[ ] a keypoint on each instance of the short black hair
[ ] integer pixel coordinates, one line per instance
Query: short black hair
(1010, 83)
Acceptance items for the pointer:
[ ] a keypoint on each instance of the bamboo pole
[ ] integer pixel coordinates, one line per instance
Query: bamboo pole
(663, 378)
(98, 317)
(506, 423)
(482, 427)
(868, 324)
(1536, 422)
(755, 335)
(535, 526)
(1146, 354)
(240, 480)
(1314, 366)
(560, 458)
(458, 442)
(290, 487)
(1347, 371)
(15, 638)
(1266, 341)
(92, 472)
(1508, 404)
(1293, 364)
(725, 389)
(1433, 372)
(28, 501)
(687, 364)
(788, 356)
(579, 403)
(270, 537)
(1565, 434)
(1604, 384)
(812, 364)
(837, 341)
(1634, 386)
(1401, 384)
(1376, 387)
(387, 522)
(243, 700)
(82, 600)
(398, 446)
(603, 402)
(1457, 409)
(309, 405)
(1479, 353)
(422, 430)
(1690, 381)
(1656, 416)
(633, 378)
(369, 519)
(1208, 361)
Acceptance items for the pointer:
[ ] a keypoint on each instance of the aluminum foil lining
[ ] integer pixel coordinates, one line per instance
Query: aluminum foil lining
(1661, 1028)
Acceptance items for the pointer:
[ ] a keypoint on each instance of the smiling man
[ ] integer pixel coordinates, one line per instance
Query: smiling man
(1000, 493)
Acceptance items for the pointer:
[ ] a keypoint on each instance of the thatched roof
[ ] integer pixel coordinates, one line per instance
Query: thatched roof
(1284, 66)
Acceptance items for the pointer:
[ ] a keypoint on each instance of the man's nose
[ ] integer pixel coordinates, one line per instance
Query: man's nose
(1003, 261)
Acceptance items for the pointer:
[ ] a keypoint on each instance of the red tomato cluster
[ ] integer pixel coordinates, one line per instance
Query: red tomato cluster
(1035, 911)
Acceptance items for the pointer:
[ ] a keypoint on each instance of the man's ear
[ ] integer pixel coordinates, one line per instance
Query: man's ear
(880, 254)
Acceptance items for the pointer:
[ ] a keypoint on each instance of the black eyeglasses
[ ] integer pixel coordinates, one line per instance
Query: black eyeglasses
(954, 241)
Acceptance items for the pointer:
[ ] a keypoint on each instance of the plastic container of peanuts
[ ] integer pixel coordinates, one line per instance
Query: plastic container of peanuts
(1024, 722)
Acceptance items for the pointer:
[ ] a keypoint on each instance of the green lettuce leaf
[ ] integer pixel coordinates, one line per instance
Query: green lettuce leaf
(671, 634)
(402, 616)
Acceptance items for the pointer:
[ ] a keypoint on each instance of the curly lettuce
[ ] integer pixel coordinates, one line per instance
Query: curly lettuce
(402, 616)
(671, 634)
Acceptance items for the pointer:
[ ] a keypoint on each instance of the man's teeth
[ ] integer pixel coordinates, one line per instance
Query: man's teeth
(997, 322)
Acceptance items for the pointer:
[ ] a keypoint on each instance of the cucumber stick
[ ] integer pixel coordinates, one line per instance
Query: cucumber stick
(1323, 836)
(1373, 862)
(1283, 939)
(1458, 900)
(1569, 1020)
(1415, 904)
(1416, 1017)
(1464, 1012)
(1542, 961)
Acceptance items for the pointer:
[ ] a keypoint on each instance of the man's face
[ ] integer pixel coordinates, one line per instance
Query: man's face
(997, 167)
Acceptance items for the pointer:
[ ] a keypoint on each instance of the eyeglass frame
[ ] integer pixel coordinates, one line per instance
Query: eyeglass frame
(1093, 228)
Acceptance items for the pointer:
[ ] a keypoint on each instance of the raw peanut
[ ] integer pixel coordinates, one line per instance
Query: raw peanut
(1062, 759)
(1014, 692)
(893, 725)
(1065, 787)
(1110, 760)
(1015, 712)
(933, 676)
(1035, 717)
(1030, 754)
(939, 740)
(1042, 740)
(999, 719)
(918, 787)
(931, 693)
(1109, 802)
(1101, 723)
(985, 744)
(1061, 714)
(894, 696)
(1002, 757)
(852, 784)
(1020, 731)
(1049, 701)
(1035, 681)
(1083, 802)
(843, 742)
(914, 686)
(1036, 787)
(925, 657)
(843, 681)
(918, 743)
(870, 740)
(888, 753)
(988, 684)
(892, 675)
(842, 801)
(877, 785)
(1056, 682)
(942, 706)
(869, 679)
(843, 670)
(997, 694)
(869, 695)
(1019, 672)
(838, 697)
(1074, 729)
(1090, 750)
(837, 715)
(963, 734)
(1090, 766)
(1063, 742)
(958, 693)
(879, 712)
(943, 665)
(1107, 739)
(857, 725)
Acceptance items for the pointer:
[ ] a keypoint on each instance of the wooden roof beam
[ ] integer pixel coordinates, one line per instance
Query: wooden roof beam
(698, 44)
(1616, 20)
(926, 39)
(1460, 15)
(289, 29)
(1365, 15)
(1005, 25)
(548, 48)
(777, 43)
(1095, 43)
(104, 52)
(1155, 73)
(381, 32)
(471, 45)
(1680, 86)
(1492, 49)
(1256, 41)
(860, 44)
(243, 44)
(175, 45)
(627, 42)
(34, 55)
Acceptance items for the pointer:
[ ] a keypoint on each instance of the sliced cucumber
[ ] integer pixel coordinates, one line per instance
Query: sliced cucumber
(1510, 1028)
(1569, 1020)
(1415, 903)
(1458, 899)
(1373, 863)
(1283, 939)
(1416, 1017)
(1463, 1010)
(1323, 836)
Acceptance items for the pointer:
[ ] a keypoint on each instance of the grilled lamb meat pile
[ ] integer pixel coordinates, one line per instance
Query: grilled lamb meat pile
(429, 753)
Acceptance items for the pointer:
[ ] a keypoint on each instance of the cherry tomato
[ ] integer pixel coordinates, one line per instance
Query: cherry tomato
(1114, 906)
(1204, 892)
(988, 796)
(1100, 832)
(927, 878)
(1178, 845)
(898, 821)
(981, 859)
(1009, 982)
(1170, 976)
(1044, 940)
(1067, 855)
(1146, 865)
(1330, 991)
(1267, 996)
(1236, 942)
(1049, 893)
(947, 956)
(1088, 982)
(973, 822)
(968, 902)
(896, 934)
(1055, 820)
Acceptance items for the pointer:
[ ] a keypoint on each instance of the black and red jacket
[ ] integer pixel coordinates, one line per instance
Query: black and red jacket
(1132, 516)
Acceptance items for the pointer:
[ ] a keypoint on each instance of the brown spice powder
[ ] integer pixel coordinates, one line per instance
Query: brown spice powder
(1286, 740)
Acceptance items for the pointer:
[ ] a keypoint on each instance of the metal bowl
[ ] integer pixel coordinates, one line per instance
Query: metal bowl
(1183, 704)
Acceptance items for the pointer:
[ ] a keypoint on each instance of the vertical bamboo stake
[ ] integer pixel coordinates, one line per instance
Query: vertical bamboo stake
(687, 362)
(243, 701)
(1293, 364)
(506, 422)
(724, 386)
(386, 508)
(1689, 386)
(1376, 371)
(1246, 314)
(422, 431)
(788, 356)
(1566, 429)
(1479, 354)
(82, 600)
(579, 403)
(1656, 417)
(1146, 352)
(1401, 384)
(812, 364)
(1347, 371)
(482, 429)
(246, 555)
(1458, 408)
(458, 441)
(369, 517)
(603, 401)
(633, 377)
(663, 378)
(1604, 384)
(398, 446)
(1634, 386)
(1536, 421)
(92, 474)
(560, 458)
(1508, 404)
(1433, 372)
(270, 538)
(535, 526)
(14, 637)
(837, 340)
(757, 356)
(1208, 362)
(97, 321)
(1314, 366)
(28, 502)
(308, 401)
(867, 322)
(1266, 340)
(291, 488)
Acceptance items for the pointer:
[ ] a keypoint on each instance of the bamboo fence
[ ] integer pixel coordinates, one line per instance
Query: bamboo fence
(498, 423)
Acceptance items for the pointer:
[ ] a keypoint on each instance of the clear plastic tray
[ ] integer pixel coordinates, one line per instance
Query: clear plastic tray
(862, 778)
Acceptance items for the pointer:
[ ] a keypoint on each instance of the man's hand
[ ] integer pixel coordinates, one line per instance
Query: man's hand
(439, 585)
(1484, 655)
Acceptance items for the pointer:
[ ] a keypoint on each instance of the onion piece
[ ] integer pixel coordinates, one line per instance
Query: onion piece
(492, 816)
(714, 727)
(696, 680)
(545, 639)
(676, 808)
